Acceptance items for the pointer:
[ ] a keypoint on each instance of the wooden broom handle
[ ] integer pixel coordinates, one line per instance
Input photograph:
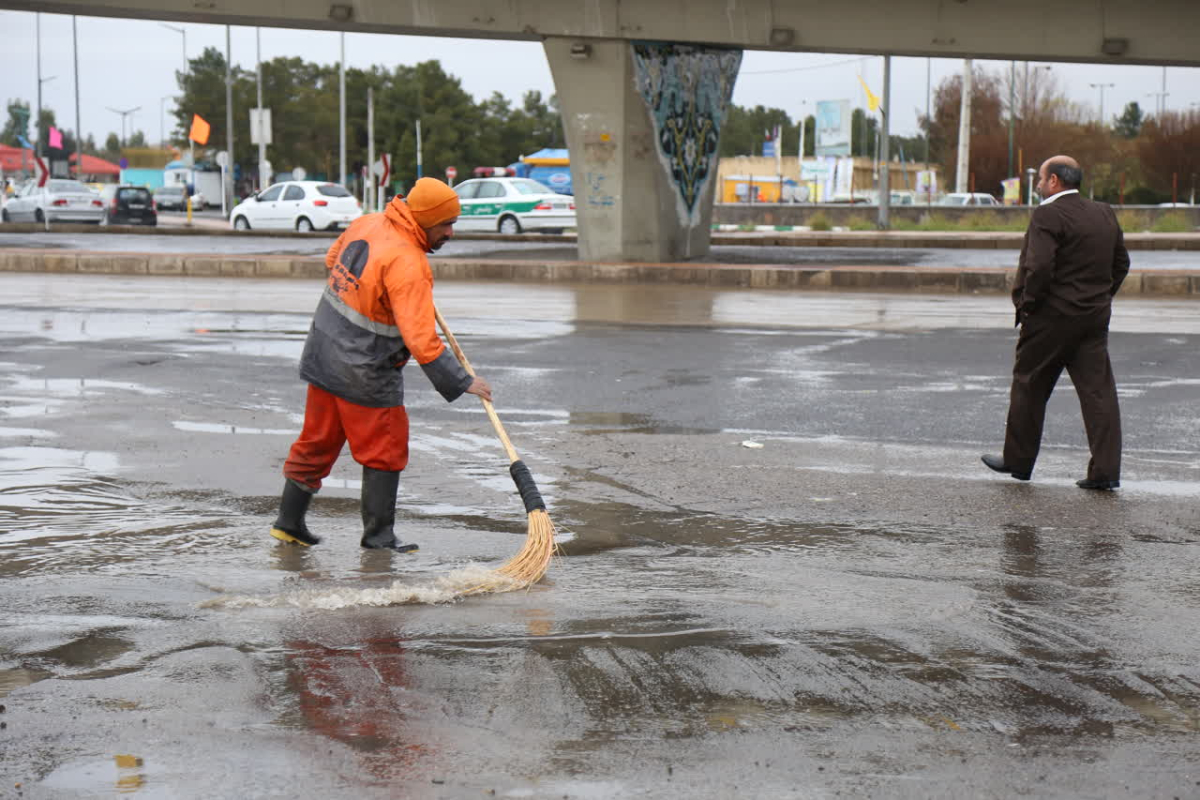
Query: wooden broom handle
(487, 405)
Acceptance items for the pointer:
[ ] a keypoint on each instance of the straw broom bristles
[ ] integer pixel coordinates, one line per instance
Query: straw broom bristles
(529, 565)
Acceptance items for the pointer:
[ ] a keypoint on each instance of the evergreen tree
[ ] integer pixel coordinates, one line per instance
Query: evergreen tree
(1129, 124)
(17, 123)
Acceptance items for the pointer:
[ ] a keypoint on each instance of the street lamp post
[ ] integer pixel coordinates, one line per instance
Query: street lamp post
(162, 114)
(182, 32)
(37, 122)
(1101, 87)
(1160, 102)
(124, 115)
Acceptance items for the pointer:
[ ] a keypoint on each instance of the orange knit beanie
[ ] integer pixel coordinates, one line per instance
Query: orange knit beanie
(432, 202)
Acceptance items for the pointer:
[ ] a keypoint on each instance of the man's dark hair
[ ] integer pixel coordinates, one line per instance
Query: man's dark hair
(1070, 177)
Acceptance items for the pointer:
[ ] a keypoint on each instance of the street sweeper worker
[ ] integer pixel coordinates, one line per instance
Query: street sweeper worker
(376, 311)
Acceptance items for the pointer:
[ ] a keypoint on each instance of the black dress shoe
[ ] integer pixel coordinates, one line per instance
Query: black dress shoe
(1103, 486)
(997, 463)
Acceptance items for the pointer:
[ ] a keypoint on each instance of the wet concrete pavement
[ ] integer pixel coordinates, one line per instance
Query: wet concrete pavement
(856, 607)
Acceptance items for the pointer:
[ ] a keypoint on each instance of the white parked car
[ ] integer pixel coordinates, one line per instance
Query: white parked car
(58, 201)
(512, 205)
(176, 197)
(297, 205)
(968, 199)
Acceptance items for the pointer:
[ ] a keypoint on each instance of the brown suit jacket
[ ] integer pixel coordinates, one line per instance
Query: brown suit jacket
(1073, 260)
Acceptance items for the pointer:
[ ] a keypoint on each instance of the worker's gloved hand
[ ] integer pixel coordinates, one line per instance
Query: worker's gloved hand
(481, 388)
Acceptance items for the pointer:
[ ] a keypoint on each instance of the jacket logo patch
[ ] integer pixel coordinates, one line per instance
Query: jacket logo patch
(351, 263)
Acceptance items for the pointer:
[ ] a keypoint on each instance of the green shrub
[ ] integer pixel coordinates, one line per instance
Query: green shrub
(858, 222)
(819, 222)
(1134, 221)
(1173, 222)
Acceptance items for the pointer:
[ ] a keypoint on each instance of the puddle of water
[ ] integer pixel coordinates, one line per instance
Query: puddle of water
(79, 387)
(32, 433)
(122, 774)
(18, 677)
(213, 427)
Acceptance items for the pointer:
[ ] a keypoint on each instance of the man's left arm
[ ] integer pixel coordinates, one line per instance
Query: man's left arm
(1120, 257)
(1041, 250)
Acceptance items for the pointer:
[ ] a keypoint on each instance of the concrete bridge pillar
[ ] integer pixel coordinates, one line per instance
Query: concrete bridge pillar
(643, 124)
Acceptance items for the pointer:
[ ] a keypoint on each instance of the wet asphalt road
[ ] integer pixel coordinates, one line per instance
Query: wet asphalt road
(317, 244)
(855, 608)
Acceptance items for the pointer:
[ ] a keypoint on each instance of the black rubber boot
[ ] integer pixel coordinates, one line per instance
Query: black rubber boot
(379, 511)
(289, 525)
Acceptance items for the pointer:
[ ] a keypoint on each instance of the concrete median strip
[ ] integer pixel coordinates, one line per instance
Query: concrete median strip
(923, 280)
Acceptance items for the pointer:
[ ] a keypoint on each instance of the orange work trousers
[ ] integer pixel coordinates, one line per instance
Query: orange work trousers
(378, 438)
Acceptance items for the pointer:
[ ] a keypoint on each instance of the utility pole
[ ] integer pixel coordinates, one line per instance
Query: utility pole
(227, 194)
(885, 186)
(37, 121)
(342, 112)
(418, 147)
(262, 134)
(928, 121)
(78, 124)
(1012, 91)
(964, 130)
(1101, 87)
(370, 204)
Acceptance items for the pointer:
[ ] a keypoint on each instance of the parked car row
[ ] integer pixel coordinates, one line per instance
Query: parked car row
(504, 204)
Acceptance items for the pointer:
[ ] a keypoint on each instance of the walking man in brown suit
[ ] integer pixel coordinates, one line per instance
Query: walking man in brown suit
(1072, 263)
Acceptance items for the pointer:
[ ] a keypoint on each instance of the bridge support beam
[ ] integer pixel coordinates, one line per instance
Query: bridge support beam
(643, 124)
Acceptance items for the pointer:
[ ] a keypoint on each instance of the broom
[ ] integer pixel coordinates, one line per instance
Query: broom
(529, 565)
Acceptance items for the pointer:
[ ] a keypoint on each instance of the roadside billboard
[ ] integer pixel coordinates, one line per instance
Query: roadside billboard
(832, 128)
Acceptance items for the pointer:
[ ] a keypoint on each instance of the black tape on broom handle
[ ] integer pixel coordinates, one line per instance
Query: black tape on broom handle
(530, 495)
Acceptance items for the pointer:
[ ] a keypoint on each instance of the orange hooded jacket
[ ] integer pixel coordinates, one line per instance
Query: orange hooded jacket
(376, 311)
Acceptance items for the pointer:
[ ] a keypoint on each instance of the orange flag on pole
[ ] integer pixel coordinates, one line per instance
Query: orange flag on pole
(200, 129)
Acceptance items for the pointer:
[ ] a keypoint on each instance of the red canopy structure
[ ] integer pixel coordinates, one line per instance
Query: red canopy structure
(16, 159)
(95, 166)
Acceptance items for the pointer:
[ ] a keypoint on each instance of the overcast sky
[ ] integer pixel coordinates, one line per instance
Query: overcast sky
(125, 64)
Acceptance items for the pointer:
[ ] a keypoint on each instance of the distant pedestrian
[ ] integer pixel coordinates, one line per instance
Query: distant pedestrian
(1072, 264)
(376, 311)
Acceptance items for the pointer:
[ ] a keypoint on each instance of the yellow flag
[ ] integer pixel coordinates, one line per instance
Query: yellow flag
(872, 98)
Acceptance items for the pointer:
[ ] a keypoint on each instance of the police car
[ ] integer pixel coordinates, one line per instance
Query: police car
(512, 205)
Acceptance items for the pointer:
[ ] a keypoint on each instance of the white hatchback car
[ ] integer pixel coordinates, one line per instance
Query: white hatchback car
(512, 205)
(297, 205)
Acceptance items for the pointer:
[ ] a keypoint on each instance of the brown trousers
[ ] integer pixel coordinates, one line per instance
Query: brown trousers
(1050, 342)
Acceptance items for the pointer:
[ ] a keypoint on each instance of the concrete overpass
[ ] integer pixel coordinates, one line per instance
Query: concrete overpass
(644, 84)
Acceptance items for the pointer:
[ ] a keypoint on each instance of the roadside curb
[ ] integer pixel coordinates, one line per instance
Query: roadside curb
(763, 235)
(924, 280)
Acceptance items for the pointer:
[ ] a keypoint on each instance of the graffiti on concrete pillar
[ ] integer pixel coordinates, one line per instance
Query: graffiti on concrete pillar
(687, 89)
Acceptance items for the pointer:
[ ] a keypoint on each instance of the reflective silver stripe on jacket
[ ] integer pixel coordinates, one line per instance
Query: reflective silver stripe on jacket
(358, 318)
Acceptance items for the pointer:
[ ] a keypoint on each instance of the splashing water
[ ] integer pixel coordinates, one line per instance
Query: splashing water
(459, 583)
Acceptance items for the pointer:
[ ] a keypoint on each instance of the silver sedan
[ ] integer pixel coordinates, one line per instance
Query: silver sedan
(58, 201)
